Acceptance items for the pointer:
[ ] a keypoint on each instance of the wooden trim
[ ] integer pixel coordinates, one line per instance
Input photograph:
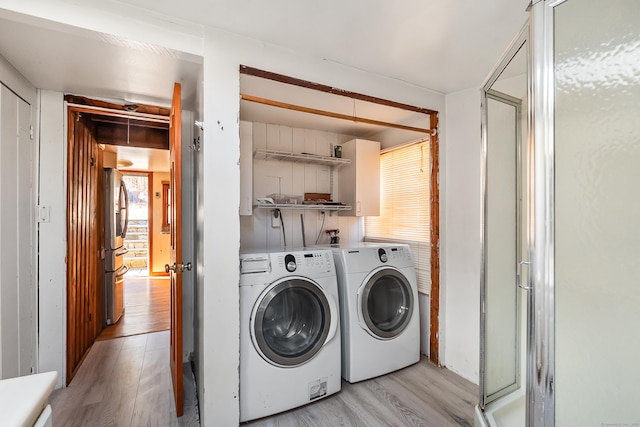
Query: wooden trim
(158, 274)
(150, 220)
(250, 71)
(324, 113)
(137, 108)
(434, 346)
(117, 113)
(166, 188)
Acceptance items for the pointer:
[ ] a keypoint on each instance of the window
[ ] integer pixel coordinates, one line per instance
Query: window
(166, 207)
(405, 206)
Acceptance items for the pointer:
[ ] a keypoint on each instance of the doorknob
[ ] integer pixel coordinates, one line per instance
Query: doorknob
(177, 268)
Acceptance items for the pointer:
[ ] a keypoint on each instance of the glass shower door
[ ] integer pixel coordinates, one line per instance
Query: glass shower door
(596, 63)
(504, 123)
(585, 270)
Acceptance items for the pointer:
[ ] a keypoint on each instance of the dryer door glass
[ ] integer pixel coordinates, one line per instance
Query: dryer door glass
(292, 322)
(386, 303)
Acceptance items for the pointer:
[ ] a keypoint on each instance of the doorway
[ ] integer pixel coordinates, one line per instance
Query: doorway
(138, 239)
(98, 139)
(146, 290)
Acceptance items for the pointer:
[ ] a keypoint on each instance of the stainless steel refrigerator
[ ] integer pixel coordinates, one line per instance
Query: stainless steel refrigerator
(116, 221)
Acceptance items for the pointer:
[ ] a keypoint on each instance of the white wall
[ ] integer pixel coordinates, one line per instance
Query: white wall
(53, 239)
(273, 176)
(12, 79)
(223, 54)
(460, 286)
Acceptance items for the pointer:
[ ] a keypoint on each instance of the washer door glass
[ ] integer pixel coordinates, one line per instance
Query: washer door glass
(387, 303)
(292, 322)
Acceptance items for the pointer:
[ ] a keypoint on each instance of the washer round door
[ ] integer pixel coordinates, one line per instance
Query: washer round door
(291, 321)
(386, 303)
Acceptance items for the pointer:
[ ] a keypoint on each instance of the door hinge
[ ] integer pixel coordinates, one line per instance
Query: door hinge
(31, 131)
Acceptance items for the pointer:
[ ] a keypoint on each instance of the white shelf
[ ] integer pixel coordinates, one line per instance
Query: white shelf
(300, 157)
(302, 206)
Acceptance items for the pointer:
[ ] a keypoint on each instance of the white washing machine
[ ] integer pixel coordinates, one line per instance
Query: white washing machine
(378, 309)
(289, 331)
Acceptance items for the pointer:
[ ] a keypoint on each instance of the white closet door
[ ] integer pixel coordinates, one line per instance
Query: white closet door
(17, 295)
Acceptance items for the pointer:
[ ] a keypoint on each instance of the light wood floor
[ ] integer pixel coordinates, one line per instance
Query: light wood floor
(147, 308)
(420, 395)
(125, 382)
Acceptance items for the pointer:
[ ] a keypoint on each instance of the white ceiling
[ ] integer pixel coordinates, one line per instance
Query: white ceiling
(441, 45)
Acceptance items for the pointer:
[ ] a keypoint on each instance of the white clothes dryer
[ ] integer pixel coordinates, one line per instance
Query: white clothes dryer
(378, 309)
(289, 331)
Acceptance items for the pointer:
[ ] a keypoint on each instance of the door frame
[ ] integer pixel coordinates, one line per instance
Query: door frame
(434, 296)
(522, 40)
(89, 106)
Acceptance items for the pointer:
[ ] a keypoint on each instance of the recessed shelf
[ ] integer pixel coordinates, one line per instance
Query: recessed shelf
(302, 206)
(262, 154)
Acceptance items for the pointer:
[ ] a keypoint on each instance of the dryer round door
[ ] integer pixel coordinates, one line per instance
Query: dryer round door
(386, 303)
(291, 321)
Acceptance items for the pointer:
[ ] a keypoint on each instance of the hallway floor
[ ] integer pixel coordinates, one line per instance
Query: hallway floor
(125, 382)
(147, 308)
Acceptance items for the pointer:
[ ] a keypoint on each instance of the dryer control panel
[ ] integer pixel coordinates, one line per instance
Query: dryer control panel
(396, 253)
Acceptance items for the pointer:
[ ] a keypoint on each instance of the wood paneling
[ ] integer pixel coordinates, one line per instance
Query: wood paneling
(131, 134)
(85, 237)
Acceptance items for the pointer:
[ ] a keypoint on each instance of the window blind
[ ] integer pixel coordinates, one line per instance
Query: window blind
(405, 206)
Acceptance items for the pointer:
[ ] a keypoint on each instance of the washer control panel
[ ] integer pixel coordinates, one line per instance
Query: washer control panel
(301, 262)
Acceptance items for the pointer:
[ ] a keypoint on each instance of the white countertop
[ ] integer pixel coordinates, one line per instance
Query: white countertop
(22, 399)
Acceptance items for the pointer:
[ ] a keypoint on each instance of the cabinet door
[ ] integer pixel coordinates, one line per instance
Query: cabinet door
(359, 181)
(367, 160)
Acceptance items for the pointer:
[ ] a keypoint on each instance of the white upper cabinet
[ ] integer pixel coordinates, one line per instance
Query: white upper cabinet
(359, 181)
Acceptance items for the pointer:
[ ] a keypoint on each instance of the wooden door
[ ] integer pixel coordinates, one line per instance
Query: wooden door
(175, 267)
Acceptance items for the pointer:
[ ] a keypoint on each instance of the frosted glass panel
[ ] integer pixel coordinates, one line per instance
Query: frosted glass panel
(597, 212)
